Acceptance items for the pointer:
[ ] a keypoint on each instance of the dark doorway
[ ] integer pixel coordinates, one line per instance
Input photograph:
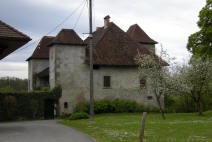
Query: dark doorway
(49, 109)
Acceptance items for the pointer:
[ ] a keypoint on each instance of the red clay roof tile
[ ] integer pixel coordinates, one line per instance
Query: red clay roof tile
(137, 34)
(113, 46)
(8, 32)
(42, 50)
(67, 36)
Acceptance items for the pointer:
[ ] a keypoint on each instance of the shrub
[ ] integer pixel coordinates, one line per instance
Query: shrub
(82, 107)
(113, 106)
(103, 106)
(10, 104)
(79, 115)
(45, 89)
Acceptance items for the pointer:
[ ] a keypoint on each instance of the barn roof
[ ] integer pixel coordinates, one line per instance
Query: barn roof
(136, 33)
(42, 50)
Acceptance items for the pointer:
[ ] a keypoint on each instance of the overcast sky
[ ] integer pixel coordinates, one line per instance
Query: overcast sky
(169, 22)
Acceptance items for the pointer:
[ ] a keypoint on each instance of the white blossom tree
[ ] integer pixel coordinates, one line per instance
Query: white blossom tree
(193, 80)
(155, 71)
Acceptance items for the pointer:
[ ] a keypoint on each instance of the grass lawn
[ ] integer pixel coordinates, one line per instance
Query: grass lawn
(125, 127)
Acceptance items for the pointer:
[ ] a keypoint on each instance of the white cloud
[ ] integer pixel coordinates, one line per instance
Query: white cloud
(14, 69)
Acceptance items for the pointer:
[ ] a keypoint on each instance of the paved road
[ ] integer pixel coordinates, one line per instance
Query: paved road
(40, 131)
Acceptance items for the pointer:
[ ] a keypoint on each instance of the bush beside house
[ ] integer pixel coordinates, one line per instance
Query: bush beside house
(113, 106)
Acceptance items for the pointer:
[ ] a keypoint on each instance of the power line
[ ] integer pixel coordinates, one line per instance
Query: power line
(66, 18)
(24, 47)
(80, 15)
(61, 23)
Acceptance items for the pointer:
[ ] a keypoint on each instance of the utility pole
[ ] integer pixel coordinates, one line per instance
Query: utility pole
(91, 63)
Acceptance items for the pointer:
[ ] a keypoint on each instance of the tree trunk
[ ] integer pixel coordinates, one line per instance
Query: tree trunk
(199, 108)
(199, 103)
(186, 103)
(160, 107)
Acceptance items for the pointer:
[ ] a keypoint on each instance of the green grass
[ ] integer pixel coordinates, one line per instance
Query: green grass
(125, 127)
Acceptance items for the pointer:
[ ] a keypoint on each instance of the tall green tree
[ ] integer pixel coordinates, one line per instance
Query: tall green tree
(200, 43)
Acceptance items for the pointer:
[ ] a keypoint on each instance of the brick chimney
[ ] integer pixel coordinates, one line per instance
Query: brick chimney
(106, 21)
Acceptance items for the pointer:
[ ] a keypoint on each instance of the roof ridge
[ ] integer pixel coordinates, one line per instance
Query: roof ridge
(103, 35)
(134, 27)
(13, 29)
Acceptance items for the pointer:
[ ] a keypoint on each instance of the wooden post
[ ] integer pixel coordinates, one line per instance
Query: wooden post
(142, 126)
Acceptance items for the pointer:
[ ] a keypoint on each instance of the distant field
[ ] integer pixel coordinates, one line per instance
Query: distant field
(125, 127)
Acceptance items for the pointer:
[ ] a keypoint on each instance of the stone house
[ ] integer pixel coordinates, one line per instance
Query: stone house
(64, 60)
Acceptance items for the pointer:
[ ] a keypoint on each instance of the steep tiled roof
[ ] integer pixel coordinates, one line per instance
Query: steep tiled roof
(113, 46)
(42, 50)
(136, 33)
(67, 36)
(8, 32)
(97, 35)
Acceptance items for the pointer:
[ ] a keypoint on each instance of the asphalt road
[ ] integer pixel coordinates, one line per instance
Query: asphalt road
(40, 131)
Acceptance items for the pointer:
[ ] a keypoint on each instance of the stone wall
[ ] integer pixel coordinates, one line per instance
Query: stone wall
(52, 62)
(68, 69)
(35, 66)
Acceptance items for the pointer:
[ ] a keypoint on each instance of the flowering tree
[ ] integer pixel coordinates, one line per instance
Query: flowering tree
(154, 70)
(193, 80)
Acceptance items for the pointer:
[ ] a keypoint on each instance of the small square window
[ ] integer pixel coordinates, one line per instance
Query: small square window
(149, 97)
(142, 83)
(95, 67)
(65, 105)
(107, 81)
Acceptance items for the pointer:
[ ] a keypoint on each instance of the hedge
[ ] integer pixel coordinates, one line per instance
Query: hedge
(114, 106)
(79, 115)
(25, 105)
